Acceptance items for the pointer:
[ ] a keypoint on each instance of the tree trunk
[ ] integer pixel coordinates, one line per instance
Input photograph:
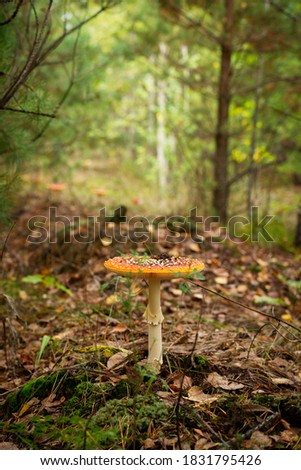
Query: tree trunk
(253, 173)
(185, 57)
(161, 131)
(298, 229)
(221, 190)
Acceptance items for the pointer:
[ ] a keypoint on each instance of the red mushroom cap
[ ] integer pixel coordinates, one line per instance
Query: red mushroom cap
(99, 192)
(147, 267)
(56, 186)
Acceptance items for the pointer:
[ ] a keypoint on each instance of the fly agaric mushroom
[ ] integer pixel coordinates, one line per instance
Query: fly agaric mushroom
(154, 269)
(57, 187)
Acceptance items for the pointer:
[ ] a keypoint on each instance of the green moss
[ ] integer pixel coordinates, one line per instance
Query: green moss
(132, 415)
(288, 405)
(11, 287)
(201, 362)
(39, 388)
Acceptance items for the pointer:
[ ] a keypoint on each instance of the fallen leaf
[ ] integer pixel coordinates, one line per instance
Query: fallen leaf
(8, 446)
(50, 402)
(287, 317)
(68, 333)
(118, 329)
(281, 381)
(175, 292)
(288, 436)
(27, 406)
(149, 443)
(200, 443)
(105, 349)
(181, 383)
(217, 381)
(166, 397)
(111, 299)
(196, 394)
(259, 440)
(117, 359)
(60, 309)
(241, 288)
(198, 295)
(23, 295)
(221, 280)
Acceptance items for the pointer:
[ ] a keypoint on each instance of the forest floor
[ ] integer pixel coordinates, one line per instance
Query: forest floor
(73, 341)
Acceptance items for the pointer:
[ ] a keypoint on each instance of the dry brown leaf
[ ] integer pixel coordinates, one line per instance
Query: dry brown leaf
(50, 402)
(68, 333)
(281, 381)
(217, 381)
(198, 295)
(241, 288)
(221, 280)
(8, 446)
(200, 444)
(149, 443)
(181, 383)
(175, 292)
(259, 440)
(196, 394)
(166, 397)
(119, 328)
(118, 359)
(288, 436)
(170, 441)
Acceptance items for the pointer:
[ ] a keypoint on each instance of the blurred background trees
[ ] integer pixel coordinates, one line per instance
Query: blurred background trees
(164, 105)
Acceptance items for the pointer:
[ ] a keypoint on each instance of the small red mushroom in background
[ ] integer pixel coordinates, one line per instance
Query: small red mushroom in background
(99, 192)
(57, 187)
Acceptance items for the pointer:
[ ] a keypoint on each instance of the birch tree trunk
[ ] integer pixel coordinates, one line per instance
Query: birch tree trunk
(184, 52)
(161, 126)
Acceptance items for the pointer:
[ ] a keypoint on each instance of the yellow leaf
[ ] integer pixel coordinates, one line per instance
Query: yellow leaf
(26, 406)
(112, 299)
(105, 350)
(286, 317)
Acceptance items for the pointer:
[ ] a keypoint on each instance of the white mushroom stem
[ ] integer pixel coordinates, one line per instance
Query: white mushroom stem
(154, 318)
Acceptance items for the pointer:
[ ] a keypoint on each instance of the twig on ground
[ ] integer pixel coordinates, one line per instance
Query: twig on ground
(252, 309)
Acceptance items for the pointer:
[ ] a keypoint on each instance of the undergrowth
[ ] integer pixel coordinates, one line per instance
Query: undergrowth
(75, 410)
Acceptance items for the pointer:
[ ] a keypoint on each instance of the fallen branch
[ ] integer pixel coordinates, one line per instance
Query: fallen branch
(252, 309)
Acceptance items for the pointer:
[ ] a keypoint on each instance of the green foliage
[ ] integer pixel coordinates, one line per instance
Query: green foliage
(45, 341)
(103, 86)
(264, 299)
(294, 284)
(93, 416)
(201, 362)
(47, 281)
